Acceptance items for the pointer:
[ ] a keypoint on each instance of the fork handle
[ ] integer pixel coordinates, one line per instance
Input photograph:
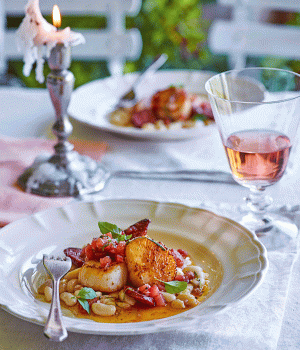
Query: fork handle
(54, 329)
(153, 67)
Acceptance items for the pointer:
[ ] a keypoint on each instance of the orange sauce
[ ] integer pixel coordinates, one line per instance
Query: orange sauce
(136, 313)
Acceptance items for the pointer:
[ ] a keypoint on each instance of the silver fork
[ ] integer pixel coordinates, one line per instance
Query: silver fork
(129, 98)
(56, 268)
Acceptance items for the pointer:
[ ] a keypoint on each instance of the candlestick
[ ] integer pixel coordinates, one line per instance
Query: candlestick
(66, 173)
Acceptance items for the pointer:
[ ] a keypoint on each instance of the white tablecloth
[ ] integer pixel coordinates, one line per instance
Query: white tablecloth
(268, 319)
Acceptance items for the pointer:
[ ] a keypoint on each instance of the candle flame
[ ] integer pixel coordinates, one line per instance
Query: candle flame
(56, 17)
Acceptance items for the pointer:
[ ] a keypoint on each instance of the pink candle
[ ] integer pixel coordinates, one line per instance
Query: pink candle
(36, 38)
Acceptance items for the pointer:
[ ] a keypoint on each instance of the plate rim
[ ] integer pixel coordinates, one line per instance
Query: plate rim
(167, 323)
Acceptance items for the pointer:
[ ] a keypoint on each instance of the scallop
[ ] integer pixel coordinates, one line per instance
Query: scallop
(108, 280)
(148, 262)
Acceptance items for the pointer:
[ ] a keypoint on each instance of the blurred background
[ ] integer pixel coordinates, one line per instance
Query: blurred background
(179, 28)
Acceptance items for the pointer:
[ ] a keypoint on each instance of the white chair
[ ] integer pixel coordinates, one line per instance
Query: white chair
(246, 34)
(114, 44)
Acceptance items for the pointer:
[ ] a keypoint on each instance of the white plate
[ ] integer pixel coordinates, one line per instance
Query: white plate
(233, 257)
(92, 102)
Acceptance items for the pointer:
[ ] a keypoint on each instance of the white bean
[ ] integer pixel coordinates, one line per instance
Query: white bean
(129, 300)
(169, 297)
(188, 299)
(187, 290)
(77, 292)
(68, 298)
(42, 287)
(107, 300)
(123, 305)
(179, 271)
(71, 284)
(103, 309)
(63, 286)
(48, 293)
(177, 304)
(122, 295)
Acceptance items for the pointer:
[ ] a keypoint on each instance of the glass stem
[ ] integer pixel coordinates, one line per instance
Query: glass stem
(258, 202)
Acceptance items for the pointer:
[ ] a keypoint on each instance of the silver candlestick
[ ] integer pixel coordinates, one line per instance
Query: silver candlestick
(66, 173)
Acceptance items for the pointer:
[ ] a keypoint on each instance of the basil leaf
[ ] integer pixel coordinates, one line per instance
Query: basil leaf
(200, 117)
(106, 227)
(174, 287)
(115, 231)
(120, 237)
(87, 293)
(84, 303)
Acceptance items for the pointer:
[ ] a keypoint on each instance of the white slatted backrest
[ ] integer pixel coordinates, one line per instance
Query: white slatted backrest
(114, 44)
(244, 35)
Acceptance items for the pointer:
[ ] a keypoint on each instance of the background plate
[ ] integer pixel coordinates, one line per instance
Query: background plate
(91, 103)
(233, 257)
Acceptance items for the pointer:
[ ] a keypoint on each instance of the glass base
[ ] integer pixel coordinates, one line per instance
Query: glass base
(274, 231)
(278, 230)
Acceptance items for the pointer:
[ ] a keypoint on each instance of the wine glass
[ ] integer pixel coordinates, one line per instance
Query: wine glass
(257, 112)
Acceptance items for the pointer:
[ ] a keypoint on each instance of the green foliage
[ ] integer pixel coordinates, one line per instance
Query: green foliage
(174, 27)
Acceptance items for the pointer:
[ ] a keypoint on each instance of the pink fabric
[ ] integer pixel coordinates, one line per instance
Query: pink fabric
(18, 154)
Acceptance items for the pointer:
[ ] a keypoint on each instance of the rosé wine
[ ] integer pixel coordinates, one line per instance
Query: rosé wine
(257, 157)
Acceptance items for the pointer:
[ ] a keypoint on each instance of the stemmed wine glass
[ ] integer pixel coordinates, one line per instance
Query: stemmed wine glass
(257, 111)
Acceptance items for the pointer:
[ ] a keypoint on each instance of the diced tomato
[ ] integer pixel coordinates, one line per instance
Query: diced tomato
(119, 258)
(179, 278)
(105, 262)
(187, 277)
(99, 243)
(120, 249)
(184, 253)
(93, 244)
(161, 287)
(144, 289)
(190, 275)
(178, 257)
(154, 291)
(157, 296)
(89, 253)
(108, 234)
(160, 300)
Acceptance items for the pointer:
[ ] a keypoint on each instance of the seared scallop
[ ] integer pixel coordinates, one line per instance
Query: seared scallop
(108, 280)
(148, 262)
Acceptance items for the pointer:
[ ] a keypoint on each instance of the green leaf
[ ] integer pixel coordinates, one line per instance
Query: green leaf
(87, 293)
(174, 287)
(84, 303)
(200, 117)
(106, 227)
(120, 237)
(116, 232)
